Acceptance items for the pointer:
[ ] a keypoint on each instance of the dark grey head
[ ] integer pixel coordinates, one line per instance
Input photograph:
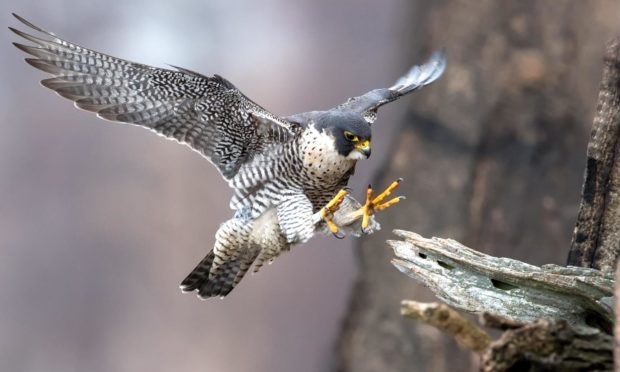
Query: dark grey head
(351, 133)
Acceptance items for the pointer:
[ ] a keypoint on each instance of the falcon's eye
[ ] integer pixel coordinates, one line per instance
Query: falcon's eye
(350, 136)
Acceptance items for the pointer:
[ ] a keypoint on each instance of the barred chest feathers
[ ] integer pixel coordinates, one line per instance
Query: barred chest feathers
(323, 166)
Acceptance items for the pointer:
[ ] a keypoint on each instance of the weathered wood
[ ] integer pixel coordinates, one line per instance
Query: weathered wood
(556, 318)
(596, 238)
(550, 346)
(476, 282)
(448, 320)
(544, 345)
(494, 321)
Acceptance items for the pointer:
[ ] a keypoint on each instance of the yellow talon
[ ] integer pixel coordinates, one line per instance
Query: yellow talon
(333, 204)
(375, 205)
(367, 208)
(388, 204)
(393, 186)
(331, 225)
(330, 208)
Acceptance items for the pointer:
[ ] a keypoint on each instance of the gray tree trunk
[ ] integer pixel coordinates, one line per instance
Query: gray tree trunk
(596, 239)
(492, 156)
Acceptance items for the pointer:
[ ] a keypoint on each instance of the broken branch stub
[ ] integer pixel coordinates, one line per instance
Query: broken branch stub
(477, 283)
(442, 317)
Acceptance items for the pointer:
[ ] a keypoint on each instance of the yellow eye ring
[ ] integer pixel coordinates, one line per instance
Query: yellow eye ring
(350, 136)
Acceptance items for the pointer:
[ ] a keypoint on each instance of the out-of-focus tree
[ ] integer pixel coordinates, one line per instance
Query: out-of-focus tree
(493, 156)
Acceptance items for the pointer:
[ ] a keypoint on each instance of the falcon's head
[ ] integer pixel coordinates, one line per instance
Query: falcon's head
(350, 131)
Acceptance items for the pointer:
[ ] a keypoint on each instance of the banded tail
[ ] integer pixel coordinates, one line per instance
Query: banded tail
(226, 264)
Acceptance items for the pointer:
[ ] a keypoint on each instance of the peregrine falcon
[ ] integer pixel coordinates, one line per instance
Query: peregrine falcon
(288, 174)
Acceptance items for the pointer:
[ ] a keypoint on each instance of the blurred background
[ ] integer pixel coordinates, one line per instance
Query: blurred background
(100, 222)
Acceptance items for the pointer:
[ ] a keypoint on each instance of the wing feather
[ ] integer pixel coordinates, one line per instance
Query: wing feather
(416, 78)
(209, 114)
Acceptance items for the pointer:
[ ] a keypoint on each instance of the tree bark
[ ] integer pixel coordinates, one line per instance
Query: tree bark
(617, 325)
(596, 239)
(492, 155)
(549, 346)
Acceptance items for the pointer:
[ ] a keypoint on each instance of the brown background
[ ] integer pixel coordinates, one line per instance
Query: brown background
(495, 153)
(99, 222)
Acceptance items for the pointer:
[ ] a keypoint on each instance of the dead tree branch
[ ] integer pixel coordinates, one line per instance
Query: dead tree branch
(477, 283)
(556, 318)
(442, 317)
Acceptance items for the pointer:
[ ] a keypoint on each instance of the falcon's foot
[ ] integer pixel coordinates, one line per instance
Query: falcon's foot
(375, 205)
(327, 212)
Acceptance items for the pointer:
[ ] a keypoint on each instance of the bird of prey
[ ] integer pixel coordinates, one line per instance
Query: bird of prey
(288, 174)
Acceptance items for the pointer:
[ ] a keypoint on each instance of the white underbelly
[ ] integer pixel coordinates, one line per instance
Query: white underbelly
(267, 236)
(266, 230)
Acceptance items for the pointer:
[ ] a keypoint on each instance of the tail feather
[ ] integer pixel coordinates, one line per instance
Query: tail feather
(245, 262)
(223, 282)
(208, 284)
(198, 276)
(228, 275)
(226, 264)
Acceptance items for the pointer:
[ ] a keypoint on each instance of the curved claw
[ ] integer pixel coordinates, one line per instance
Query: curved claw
(339, 235)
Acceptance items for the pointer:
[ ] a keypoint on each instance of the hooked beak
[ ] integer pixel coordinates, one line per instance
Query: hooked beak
(364, 148)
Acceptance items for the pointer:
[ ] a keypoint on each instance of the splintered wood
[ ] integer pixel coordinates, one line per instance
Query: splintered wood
(475, 282)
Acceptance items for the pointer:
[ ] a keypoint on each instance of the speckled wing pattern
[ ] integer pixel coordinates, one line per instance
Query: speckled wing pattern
(416, 78)
(209, 114)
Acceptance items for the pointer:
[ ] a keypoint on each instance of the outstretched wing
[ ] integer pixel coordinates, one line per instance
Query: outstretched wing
(417, 77)
(208, 114)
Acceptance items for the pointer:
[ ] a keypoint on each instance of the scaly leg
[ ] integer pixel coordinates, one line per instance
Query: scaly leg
(375, 205)
(327, 212)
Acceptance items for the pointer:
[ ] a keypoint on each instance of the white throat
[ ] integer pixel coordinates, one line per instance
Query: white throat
(356, 155)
